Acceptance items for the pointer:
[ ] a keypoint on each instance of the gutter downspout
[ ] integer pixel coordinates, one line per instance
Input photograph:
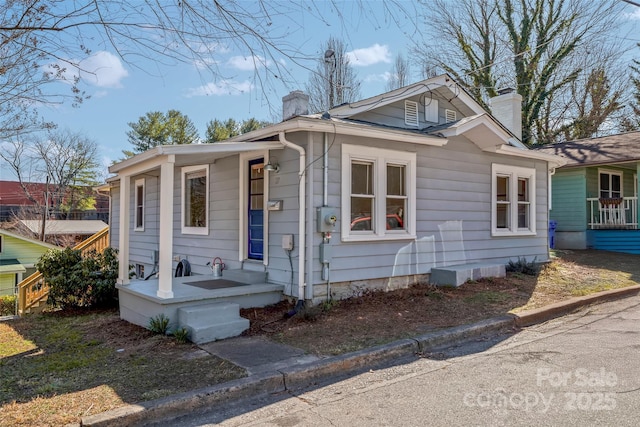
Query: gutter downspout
(302, 213)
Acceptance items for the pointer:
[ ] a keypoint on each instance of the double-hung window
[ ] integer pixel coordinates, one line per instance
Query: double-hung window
(513, 197)
(610, 184)
(139, 201)
(195, 200)
(378, 194)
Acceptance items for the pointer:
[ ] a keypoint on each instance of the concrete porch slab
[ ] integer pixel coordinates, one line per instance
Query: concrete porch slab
(456, 275)
(139, 301)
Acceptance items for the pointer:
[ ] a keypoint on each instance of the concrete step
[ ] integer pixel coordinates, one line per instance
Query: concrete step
(456, 275)
(214, 312)
(211, 322)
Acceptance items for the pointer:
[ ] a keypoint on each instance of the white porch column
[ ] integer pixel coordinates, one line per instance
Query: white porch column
(123, 231)
(165, 288)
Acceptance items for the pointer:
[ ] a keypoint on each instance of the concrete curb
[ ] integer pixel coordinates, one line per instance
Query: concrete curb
(184, 403)
(308, 374)
(539, 315)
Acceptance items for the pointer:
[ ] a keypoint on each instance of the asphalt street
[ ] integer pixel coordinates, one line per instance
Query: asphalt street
(582, 369)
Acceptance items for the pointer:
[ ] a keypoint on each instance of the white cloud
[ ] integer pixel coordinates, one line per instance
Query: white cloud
(248, 63)
(384, 77)
(206, 53)
(635, 15)
(202, 64)
(102, 69)
(369, 55)
(223, 87)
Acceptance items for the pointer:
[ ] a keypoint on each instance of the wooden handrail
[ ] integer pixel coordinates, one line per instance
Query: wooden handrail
(34, 289)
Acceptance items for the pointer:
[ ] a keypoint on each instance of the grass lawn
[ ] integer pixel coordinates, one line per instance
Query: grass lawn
(57, 367)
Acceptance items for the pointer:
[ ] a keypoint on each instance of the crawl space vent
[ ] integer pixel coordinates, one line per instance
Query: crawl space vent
(411, 113)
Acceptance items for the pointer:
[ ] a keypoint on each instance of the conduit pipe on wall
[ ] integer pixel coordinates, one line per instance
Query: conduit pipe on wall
(301, 212)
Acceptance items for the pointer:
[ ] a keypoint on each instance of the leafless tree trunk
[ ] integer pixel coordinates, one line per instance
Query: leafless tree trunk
(400, 74)
(334, 82)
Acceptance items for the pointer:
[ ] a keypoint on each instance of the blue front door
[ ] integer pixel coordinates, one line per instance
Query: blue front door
(256, 213)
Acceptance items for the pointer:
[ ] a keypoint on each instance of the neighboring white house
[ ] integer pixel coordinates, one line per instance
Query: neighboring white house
(372, 194)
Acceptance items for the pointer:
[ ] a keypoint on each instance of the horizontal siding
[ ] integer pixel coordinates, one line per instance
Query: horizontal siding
(27, 253)
(284, 186)
(453, 187)
(142, 244)
(222, 240)
(7, 284)
(627, 241)
(569, 200)
(453, 190)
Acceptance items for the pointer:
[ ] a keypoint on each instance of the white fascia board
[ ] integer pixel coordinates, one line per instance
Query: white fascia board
(421, 87)
(143, 163)
(306, 124)
(553, 160)
(154, 158)
(470, 123)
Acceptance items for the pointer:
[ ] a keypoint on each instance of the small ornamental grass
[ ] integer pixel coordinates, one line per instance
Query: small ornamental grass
(159, 324)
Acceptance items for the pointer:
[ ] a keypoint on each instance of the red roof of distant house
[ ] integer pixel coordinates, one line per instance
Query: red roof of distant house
(11, 193)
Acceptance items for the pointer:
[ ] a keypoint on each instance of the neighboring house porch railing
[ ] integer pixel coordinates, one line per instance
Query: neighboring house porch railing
(33, 290)
(613, 213)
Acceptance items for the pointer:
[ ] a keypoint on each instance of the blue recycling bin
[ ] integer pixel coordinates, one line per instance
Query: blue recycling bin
(552, 233)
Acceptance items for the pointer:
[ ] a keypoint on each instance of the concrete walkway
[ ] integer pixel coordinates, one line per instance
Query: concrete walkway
(258, 354)
(276, 368)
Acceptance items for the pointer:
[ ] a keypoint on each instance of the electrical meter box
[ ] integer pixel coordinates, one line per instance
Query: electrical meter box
(326, 219)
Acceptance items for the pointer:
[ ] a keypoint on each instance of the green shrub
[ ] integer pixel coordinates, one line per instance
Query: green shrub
(7, 305)
(159, 324)
(80, 281)
(181, 335)
(523, 266)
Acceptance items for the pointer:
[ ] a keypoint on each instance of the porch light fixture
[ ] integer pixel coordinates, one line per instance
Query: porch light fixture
(272, 167)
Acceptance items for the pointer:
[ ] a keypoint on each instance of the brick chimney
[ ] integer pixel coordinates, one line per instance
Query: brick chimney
(507, 108)
(295, 104)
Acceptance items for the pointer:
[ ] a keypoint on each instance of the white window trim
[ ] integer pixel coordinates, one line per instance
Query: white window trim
(139, 183)
(194, 230)
(611, 172)
(514, 173)
(380, 158)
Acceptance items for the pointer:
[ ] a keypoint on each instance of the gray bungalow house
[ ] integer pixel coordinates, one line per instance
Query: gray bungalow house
(595, 194)
(369, 195)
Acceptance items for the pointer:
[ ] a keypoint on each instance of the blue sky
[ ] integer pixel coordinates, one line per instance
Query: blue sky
(121, 93)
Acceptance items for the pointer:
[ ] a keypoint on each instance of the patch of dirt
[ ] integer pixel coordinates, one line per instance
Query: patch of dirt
(338, 327)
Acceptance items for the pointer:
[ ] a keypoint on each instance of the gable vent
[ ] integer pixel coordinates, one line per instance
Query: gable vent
(450, 116)
(431, 110)
(411, 113)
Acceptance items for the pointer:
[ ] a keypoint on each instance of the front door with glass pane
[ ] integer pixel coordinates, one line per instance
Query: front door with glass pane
(256, 212)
